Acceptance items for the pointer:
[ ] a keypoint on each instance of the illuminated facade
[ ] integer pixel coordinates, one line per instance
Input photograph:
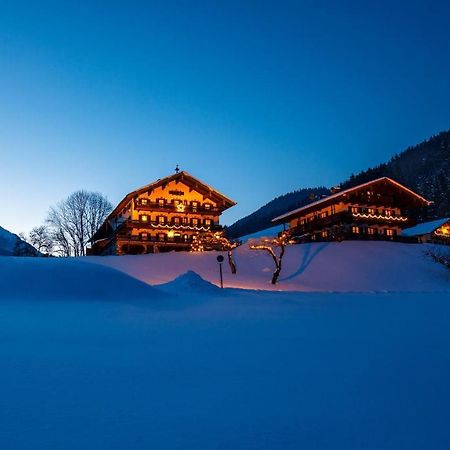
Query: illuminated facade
(379, 209)
(163, 216)
(436, 231)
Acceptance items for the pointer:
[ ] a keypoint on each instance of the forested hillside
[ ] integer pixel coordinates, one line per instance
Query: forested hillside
(424, 168)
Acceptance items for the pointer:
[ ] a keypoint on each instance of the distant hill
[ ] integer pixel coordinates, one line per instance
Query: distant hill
(425, 168)
(12, 245)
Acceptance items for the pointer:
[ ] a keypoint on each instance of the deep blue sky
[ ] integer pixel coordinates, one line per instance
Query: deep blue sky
(256, 98)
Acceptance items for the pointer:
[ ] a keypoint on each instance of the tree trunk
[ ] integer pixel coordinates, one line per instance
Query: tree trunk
(231, 262)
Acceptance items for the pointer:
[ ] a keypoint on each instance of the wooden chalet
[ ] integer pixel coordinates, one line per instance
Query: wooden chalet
(379, 209)
(160, 217)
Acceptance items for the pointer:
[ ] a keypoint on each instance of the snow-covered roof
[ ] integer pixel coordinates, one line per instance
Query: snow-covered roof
(424, 227)
(347, 191)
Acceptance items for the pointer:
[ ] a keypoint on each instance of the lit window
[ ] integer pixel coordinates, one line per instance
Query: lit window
(144, 218)
(390, 232)
(355, 230)
(323, 215)
(143, 201)
(161, 237)
(389, 212)
(371, 231)
(194, 206)
(161, 202)
(207, 222)
(324, 234)
(144, 236)
(354, 210)
(161, 219)
(194, 221)
(371, 211)
(207, 206)
(176, 220)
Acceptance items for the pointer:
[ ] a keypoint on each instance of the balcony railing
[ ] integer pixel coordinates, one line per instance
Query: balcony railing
(170, 207)
(172, 226)
(155, 239)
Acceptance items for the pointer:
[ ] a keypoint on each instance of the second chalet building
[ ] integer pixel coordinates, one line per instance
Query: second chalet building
(379, 209)
(161, 216)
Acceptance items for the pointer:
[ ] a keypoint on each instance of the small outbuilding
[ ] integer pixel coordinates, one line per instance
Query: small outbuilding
(435, 231)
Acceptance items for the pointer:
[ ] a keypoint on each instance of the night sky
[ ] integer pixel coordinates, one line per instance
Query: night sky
(255, 98)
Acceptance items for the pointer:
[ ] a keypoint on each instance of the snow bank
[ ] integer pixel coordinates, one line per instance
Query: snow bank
(58, 278)
(341, 267)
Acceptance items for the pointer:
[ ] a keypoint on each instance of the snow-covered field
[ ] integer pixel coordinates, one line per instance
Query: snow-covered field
(93, 358)
(329, 266)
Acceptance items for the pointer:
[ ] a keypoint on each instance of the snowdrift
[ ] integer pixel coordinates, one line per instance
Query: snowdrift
(321, 267)
(58, 278)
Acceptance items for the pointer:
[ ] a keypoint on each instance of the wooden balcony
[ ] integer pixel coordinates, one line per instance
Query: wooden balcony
(169, 207)
(172, 226)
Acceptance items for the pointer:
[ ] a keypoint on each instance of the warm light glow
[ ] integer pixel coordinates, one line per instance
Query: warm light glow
(379, 216)
(171, 234)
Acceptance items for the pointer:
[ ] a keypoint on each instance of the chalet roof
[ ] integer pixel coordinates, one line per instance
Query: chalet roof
(184, 177)
(312, 205)
(425, 227)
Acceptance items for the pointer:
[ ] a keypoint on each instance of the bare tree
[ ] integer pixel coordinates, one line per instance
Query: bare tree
(41, 239)
(275, 247)
(216, 241)
(74, 221)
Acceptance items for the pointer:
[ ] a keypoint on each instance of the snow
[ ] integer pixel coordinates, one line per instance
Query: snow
(55, 278)
(7, 242)
(425, 227)
(268, 232)
(356, 266)
(93, 358)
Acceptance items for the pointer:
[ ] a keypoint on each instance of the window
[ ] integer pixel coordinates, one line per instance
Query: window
(144, 218)
(208, 222)
(144, 236)
(176, 220)
(390, 232)
(161, 219)
(194, 206)
(324, 214)
(143, 201)
(207, 206)
(161, 237)
(194, 222)
(161, 202)
(354, 210)
(324, 234)
(389, 212)
(370, 211)
(371, 231)
(355, 230)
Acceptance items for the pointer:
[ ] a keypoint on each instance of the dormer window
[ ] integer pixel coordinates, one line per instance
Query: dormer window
(207, 205)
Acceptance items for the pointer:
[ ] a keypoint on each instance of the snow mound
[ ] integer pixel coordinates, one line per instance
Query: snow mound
(58, 278)
(189, 282)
